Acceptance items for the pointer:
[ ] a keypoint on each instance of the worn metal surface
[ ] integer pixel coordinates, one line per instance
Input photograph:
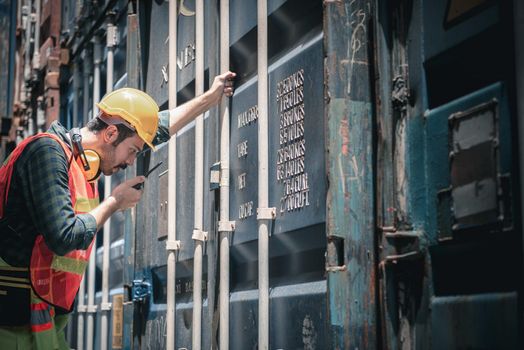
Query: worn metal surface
(350, 204)
(483, 321)
(297, 178)
(458, 266)
(150, 264)
(475, 187)
(401, 203)
(289, 23)
(296, 146)
(440, 175)
(130, 248)
(157, 44)
(243, 157)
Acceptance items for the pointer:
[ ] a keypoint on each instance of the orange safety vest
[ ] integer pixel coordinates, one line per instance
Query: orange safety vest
(54, 278)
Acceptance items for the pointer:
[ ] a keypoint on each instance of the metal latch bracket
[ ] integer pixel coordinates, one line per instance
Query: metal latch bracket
(91, 309)
(81, 308)
(172, 245)
(199, 235)
(226, 226)
(266, 213)
(214, 177)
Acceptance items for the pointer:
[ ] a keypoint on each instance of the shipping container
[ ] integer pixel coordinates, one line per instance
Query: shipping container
(360, 190)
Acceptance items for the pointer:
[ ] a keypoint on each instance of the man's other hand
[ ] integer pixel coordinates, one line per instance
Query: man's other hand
(126, 195)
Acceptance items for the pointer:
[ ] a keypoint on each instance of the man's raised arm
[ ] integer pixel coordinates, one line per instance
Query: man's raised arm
(183, 114)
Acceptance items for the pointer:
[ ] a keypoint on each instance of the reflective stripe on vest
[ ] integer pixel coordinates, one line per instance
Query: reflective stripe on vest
(41, 317)
(55, 279)
(64, 263)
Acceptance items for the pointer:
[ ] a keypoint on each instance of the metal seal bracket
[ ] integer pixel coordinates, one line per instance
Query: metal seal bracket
(172, 245)
(111, 36)
(106, 306)
(81, 308)
(199, 235)
(226, 226)
(266, 213)
(91, 309)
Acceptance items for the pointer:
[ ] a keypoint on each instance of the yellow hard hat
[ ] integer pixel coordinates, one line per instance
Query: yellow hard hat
(137, 108)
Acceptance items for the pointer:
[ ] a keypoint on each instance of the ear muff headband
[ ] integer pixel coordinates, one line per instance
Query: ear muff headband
(88, 160)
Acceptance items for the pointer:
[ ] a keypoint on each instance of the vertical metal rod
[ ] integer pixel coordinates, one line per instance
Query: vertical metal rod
(36, 51)
(91, 306)
(263, 193)
(86, 63)
(76, 91)
(97, 57)
(85, 110)
(106, 306)
(199, 179)
(171, 245)
(224, 183)
(81, 309)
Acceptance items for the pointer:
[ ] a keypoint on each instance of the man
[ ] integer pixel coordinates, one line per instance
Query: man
(49, 209)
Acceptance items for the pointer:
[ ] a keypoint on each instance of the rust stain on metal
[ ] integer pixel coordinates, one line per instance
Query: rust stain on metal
(344, 134)
(338, 3)
(133, 22)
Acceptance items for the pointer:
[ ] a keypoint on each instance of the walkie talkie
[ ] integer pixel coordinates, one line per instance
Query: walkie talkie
(141, 185)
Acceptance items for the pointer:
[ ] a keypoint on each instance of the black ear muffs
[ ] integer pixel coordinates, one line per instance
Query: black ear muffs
(89, 160)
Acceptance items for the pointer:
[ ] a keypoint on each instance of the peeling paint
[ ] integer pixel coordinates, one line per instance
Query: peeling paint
(309, 334)
(156, 333)
(400, 169)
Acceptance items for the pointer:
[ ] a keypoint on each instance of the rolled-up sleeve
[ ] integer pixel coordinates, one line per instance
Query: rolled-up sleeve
(162, 133)
(46, 191)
